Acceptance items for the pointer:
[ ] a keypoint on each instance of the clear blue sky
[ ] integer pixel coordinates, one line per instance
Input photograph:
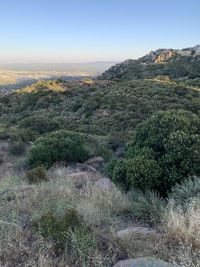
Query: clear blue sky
(94, 30)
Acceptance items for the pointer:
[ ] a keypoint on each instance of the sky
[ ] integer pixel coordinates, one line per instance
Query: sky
(55, 31)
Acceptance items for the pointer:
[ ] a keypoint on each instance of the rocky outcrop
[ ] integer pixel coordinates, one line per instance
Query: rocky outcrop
(95, 162)
(171, 62)
(158, 56)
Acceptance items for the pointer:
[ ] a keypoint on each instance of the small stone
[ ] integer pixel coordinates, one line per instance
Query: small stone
(135, 231)
(144, 262)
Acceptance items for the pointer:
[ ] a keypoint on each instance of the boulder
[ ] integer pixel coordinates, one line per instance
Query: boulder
(139, 241)
(82, 178)
(135, 232)
(144, 262)
(95, 162)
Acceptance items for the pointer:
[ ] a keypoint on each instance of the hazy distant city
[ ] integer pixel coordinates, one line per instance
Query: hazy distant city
(13, 76)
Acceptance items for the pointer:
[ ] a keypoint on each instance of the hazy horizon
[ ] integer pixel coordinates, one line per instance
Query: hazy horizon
(81, 31)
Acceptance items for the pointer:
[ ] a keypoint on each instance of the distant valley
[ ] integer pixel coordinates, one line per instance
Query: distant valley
(15, 76)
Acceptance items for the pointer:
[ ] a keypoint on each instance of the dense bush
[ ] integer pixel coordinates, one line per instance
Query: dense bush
(57, 146)
(116, 169)
(165, 150)
(36, 175)
(40, 124)
(143, 173)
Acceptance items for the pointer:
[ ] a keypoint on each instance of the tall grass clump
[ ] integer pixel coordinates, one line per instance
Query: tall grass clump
(147, 206)
(182, 233)
(186, 191)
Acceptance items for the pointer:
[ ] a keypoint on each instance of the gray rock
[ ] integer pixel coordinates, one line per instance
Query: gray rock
(144, 262)
(95, 162)
(136, 231)
(141, 241)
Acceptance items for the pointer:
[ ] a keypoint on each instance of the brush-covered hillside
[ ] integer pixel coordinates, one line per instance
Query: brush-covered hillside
(170, 63)
(104, 172)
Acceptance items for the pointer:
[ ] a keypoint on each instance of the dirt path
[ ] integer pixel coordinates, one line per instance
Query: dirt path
(6, 167)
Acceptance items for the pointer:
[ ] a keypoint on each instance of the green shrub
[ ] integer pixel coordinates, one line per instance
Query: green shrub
(23, 135)
(165, 151)
(40, 124)
(56, 228)
(57, 146)
(116, 169)
(143, 173)
(36, 175)
(184, 192)
(147, 206)
(17, 148)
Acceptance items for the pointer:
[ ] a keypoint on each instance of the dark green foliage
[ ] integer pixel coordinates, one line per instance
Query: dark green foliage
(143, 173)
(40, 124)
(103, 108)
(17, 148)
(116, 169)
(36, 175)
(57, 146)
(165, 150)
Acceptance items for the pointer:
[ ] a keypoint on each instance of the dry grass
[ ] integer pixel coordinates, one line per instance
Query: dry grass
(21, 205)
(182, 233)
(104, 212)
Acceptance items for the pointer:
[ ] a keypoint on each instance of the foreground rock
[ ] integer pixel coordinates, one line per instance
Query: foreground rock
(131, 232)
(144, 262)
(141, 241)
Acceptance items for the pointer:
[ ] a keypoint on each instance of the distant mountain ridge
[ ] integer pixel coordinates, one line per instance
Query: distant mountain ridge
(173, 63)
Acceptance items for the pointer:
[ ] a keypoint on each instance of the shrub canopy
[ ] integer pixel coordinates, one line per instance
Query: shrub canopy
(165, 150)
(57, 146)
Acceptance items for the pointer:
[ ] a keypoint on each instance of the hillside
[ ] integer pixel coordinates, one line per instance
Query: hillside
(171, 63)
(102, 107)
(103, 172)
